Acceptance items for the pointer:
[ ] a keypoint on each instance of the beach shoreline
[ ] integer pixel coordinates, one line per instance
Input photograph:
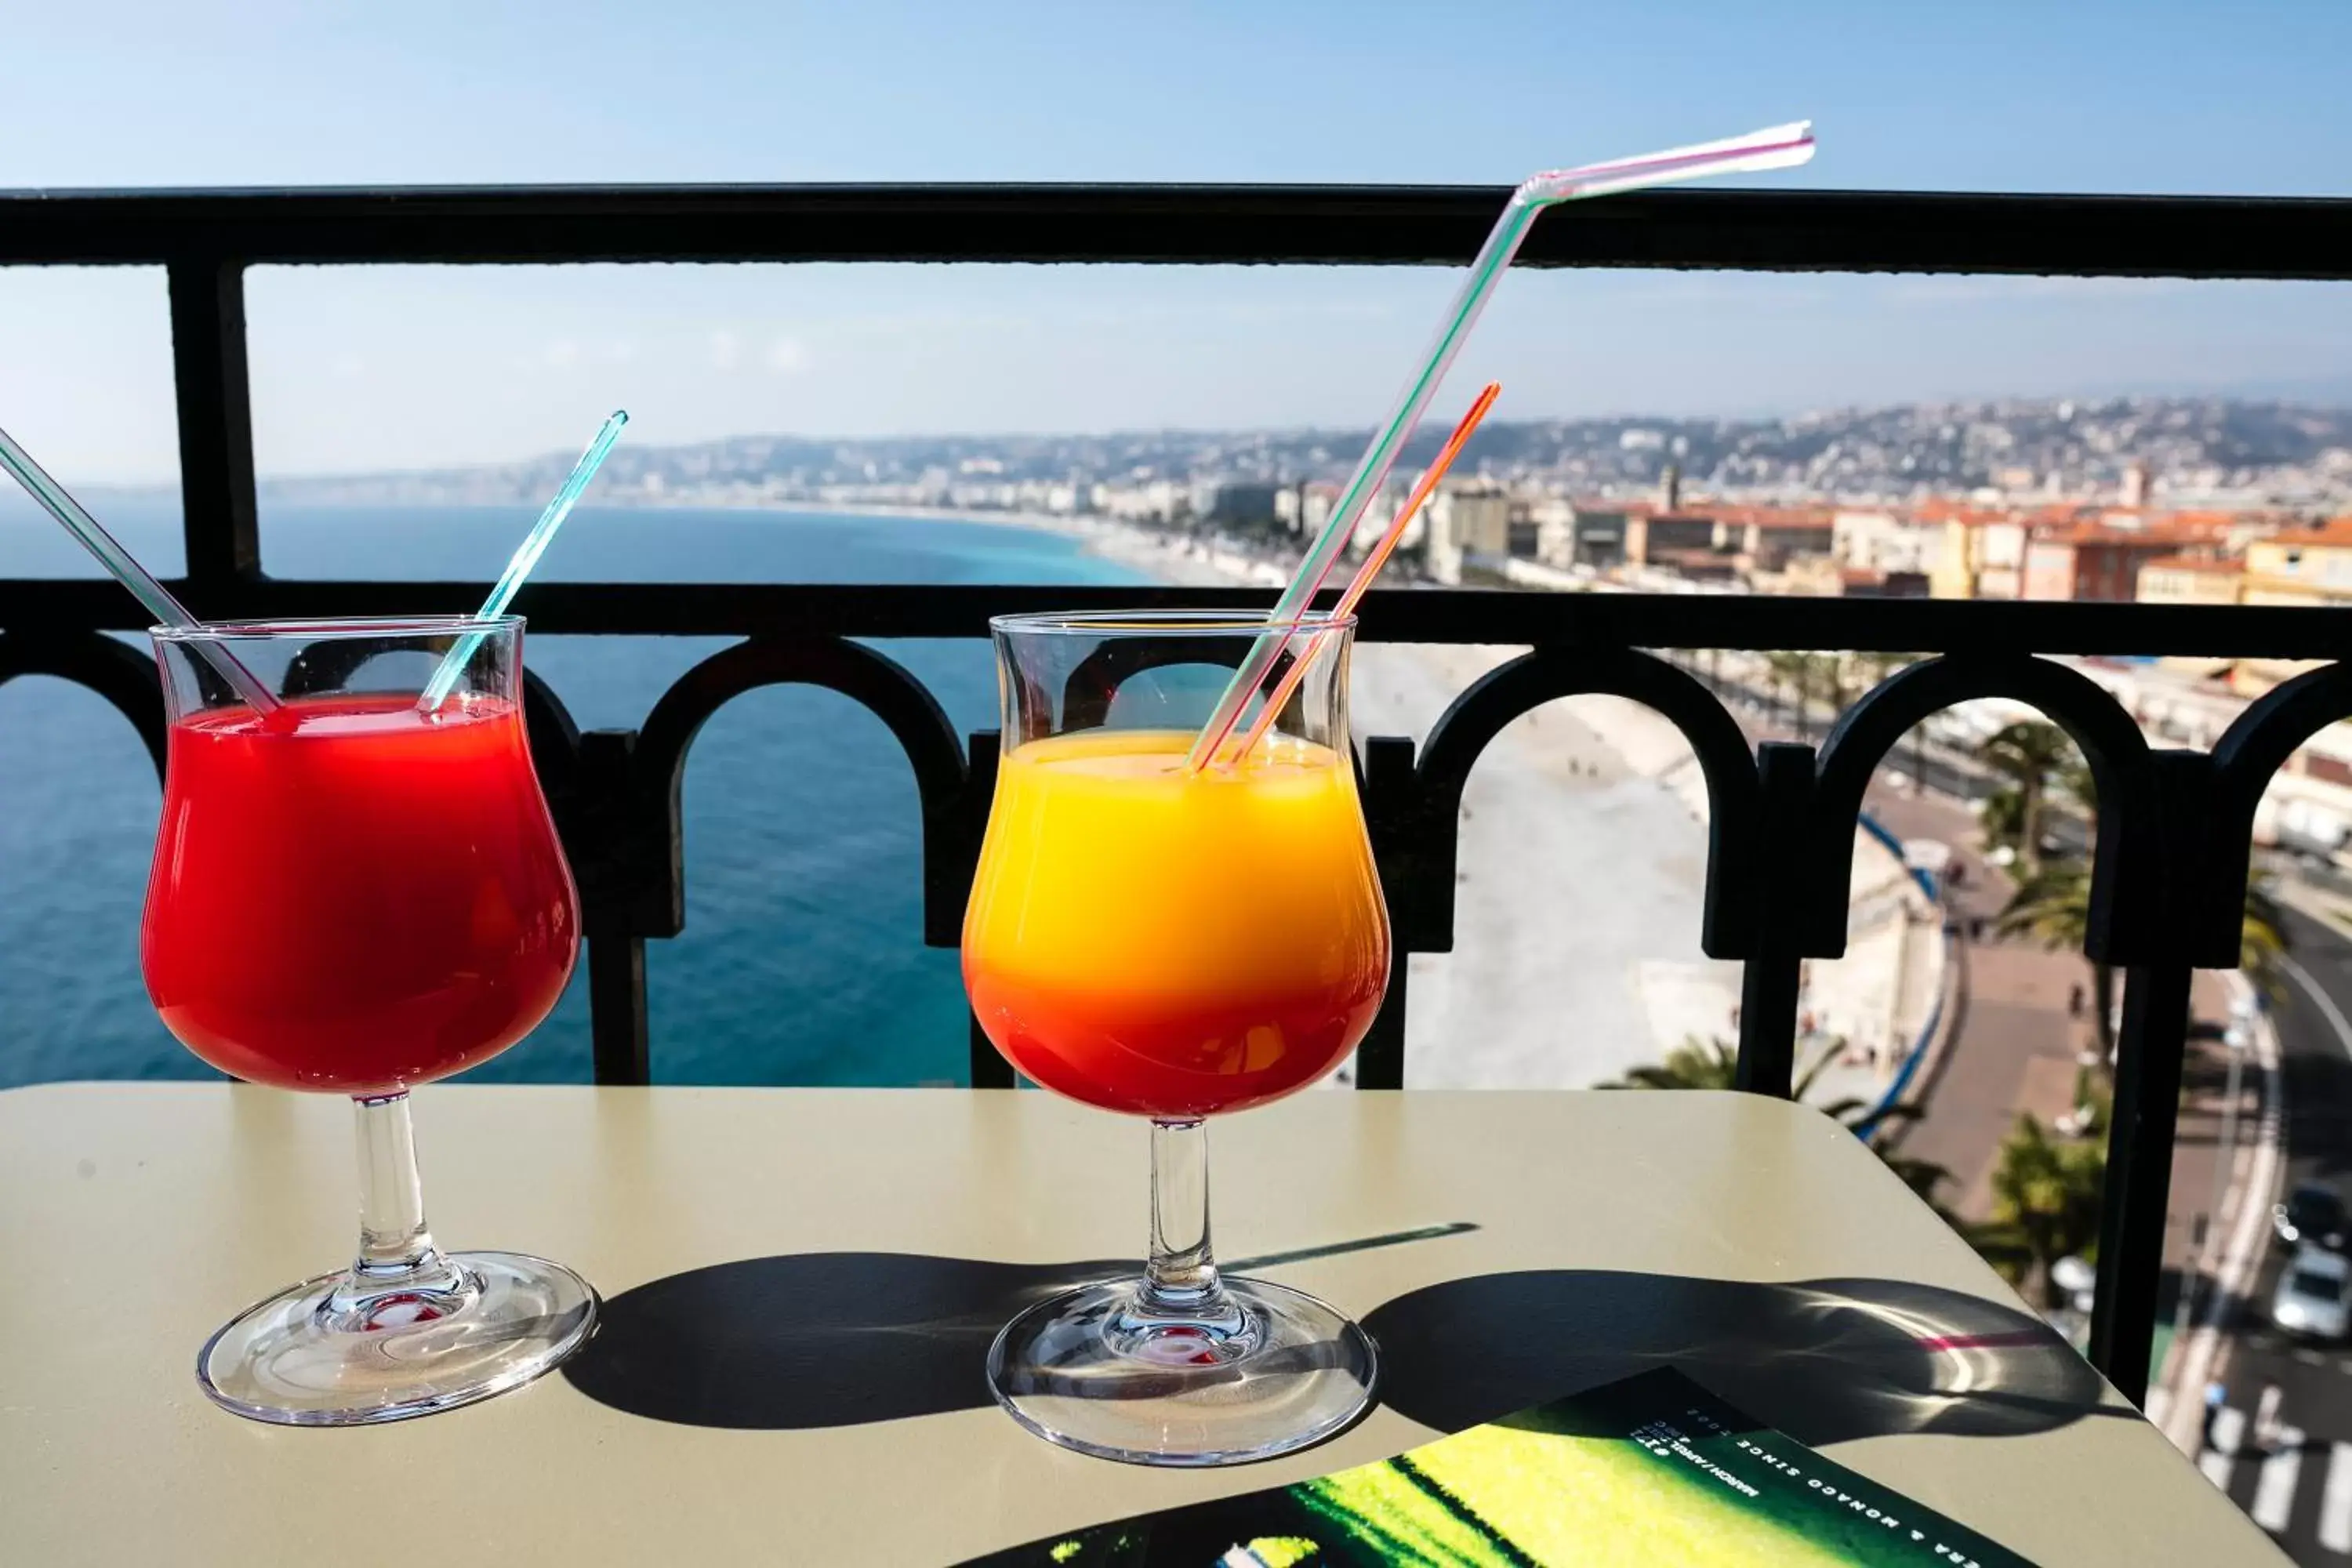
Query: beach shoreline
(1175, 560)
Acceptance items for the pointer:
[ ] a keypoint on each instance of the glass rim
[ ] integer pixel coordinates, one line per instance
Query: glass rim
(326, 628)
(1180, 623)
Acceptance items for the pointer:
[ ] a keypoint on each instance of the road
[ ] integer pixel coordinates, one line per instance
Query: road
(2282, 1446)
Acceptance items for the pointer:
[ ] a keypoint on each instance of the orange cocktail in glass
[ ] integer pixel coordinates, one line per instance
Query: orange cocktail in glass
(1175, 942)
(1170, 943)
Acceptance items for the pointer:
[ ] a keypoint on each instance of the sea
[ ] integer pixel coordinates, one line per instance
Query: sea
(802, 961)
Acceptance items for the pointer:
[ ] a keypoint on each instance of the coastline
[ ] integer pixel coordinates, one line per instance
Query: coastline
(1179, 563)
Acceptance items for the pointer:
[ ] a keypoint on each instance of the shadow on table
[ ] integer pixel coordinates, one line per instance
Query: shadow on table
(842, 1338)
(1821, 1359)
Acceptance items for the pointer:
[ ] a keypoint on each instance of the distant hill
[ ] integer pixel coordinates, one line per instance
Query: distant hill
(2192, 448)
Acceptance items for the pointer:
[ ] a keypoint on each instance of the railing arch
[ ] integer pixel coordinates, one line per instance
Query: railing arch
(1868, 733)
(874, 681)
(1523, 684)
(121, 673)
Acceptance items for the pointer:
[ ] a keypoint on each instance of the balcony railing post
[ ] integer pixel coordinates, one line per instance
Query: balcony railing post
(2163, 858)
(602, 806)
(1769, 980)
(1401, 834)
(2139, 1173)
(215, 402)
(1379, 1056)
(989, 1067)
(616, 1009)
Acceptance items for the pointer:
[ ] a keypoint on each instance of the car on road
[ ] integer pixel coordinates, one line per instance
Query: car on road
(2311, 1300)
(2312, 1215)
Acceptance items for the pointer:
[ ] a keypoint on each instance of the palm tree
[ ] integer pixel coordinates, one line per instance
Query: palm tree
(1795, 669)
(1876, 667)
(2262, 945)
(2045, 1205)
(1841, 678)
(1715, 1064)
(2073, 783)
(2001, 817)
(1693, 1064)
(2027, 754)
(2053, 908)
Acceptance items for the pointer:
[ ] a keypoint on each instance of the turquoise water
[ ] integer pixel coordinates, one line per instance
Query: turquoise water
(801, 962)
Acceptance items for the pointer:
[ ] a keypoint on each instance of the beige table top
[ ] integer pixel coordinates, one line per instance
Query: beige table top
(135, 1218)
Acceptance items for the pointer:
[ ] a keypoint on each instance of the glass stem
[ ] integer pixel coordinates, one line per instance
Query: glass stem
(400, 1276)
(1180, 1279)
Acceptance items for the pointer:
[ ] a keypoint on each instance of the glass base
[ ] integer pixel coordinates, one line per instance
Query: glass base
(1275, 1371)
(285, 1361)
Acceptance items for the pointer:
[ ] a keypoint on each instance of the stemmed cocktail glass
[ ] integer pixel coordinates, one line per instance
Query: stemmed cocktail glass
(1173, 943)
(357, 889)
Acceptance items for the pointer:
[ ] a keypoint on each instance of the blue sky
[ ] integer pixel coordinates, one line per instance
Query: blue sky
(478, 364)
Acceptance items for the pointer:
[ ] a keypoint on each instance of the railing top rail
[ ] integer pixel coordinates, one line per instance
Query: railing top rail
(1771, 230)
(1393, 614)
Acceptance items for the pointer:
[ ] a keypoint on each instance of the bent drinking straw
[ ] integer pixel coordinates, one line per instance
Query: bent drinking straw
(126, 570)
(1780, 147)
(1373, 561)
(526, 556)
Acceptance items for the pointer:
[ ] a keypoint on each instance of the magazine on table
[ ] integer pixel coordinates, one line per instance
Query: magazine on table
(1652, 1471)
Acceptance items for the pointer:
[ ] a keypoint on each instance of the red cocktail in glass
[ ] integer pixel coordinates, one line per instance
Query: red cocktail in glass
(358, 889)
(355, 896)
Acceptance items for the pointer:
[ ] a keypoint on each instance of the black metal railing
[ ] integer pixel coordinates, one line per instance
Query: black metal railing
(2173, 828)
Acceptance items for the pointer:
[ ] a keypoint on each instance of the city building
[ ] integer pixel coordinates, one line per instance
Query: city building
(1767, 538)
(2191, 580)
(1886, 539)
(1316, 504)
(1581, 534)
(2309, 565)
(2102, 562)
(1650, 537)
(1475, 519)
(1864, 583)
(1979, 553)
(1466, 520)
(2179, 701)
(1825, 576)
(1554, 517)
(1526, 533)
(1155, 501)
(1382, 510)
(1234, 501)
(1702, 564)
